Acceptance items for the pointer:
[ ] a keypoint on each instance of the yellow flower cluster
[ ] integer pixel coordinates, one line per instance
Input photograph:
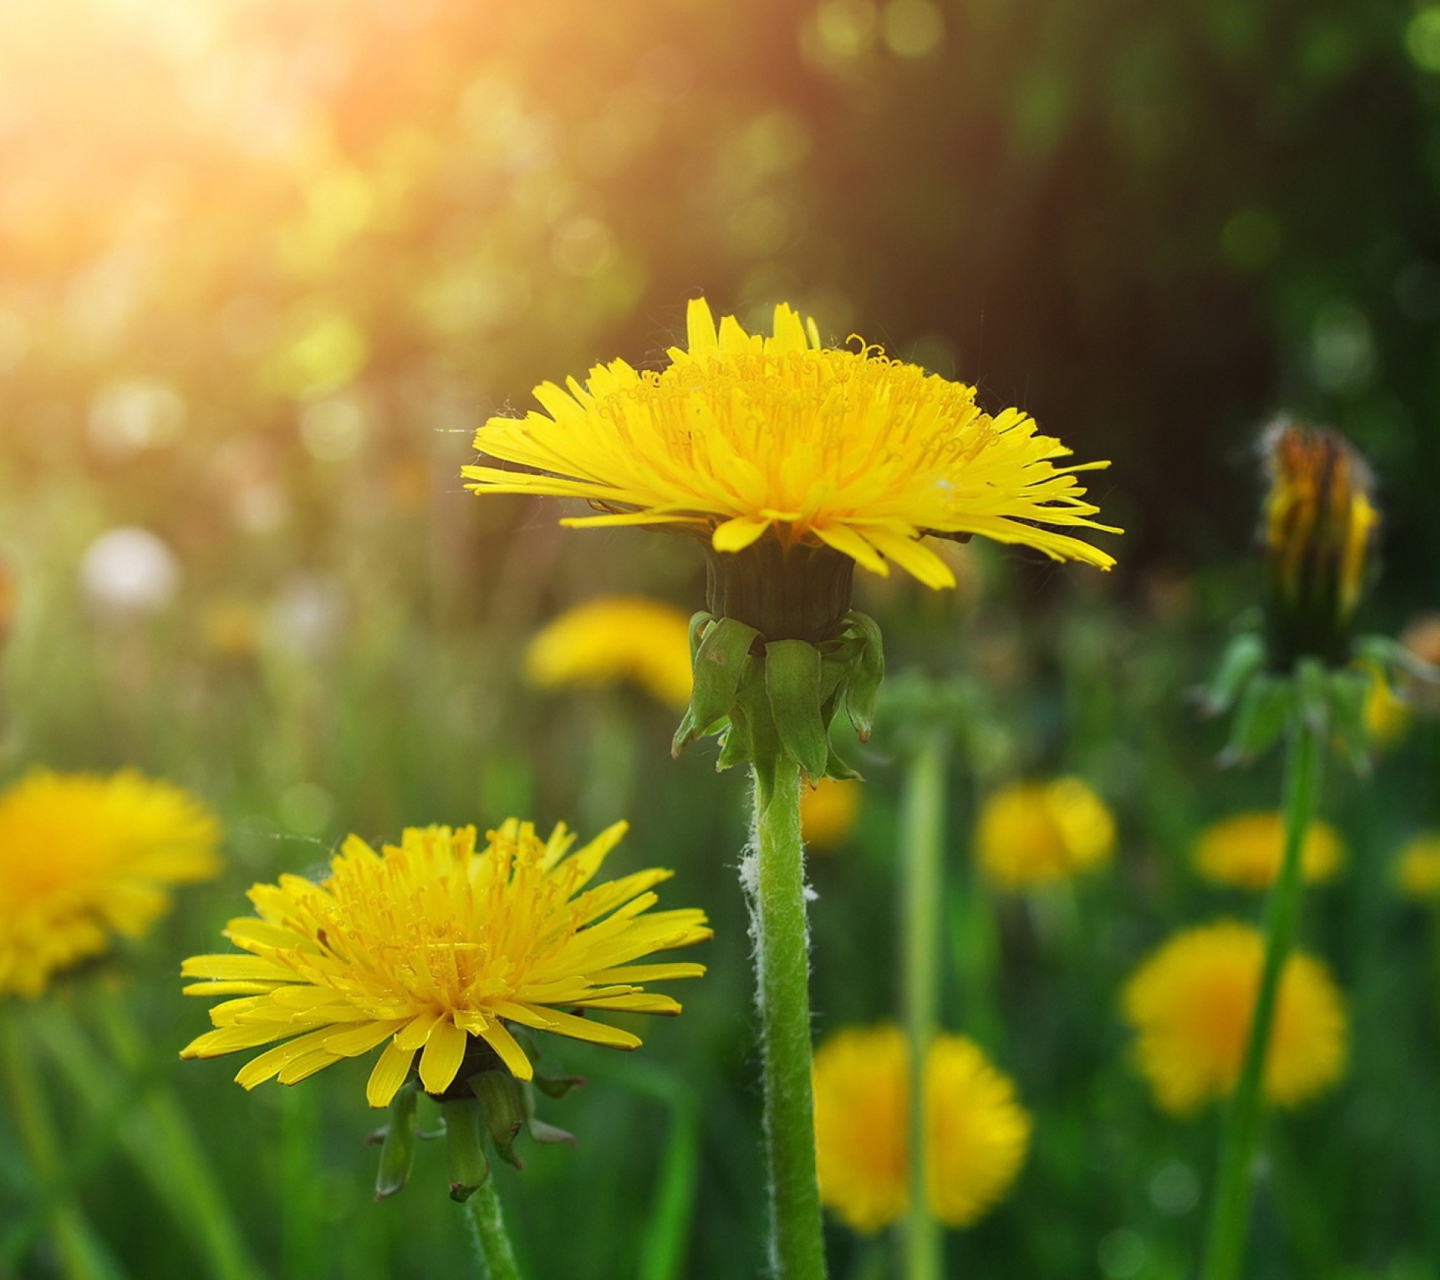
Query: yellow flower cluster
(1191, 1004)
(435, 947)
(613, 639)
(1246, 851)
(1037, 833)
(83, 858)
(976, 1131)
(744, 435)
(1417, 870)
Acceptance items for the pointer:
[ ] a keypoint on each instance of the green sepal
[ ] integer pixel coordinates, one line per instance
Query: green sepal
(397, 1150)
(465, 1146)
(836, 768)
(1390, 655)
(1244, 657)
(1312, 693)
(736, 746)
(538, 1130)
(557, 1086)
(1264, 711)
(792, 683)
(498, 1093)
(867, 673)
(719, 663)
(1348, 692)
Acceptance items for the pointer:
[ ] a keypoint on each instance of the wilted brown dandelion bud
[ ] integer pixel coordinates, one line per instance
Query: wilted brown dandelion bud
(1317, 529)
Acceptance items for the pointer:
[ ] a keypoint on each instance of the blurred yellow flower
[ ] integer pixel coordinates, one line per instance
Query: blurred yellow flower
(1036, 833)
(434, 945)
(976, 1129)
(615, 638)
(83, 858)
(1387, 714)
(744, 435)
(1191, 1004)
(1246, 850)
(828, 811)
(1417, 870)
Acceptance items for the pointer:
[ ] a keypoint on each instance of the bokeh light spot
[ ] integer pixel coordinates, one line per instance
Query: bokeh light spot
(912, 28)
(1422, 39)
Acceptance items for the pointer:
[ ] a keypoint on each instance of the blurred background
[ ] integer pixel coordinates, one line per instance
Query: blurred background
(265, 267)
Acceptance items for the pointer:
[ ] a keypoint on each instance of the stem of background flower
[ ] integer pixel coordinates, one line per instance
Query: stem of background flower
(782, 960)
(492, 1243)
(80, 1255)
(1230, 1213)
(922, 843)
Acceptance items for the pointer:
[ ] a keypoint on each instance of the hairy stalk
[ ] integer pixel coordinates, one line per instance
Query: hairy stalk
(492, 1243)
(922, 842)
(1230, 1212)
(782, 962)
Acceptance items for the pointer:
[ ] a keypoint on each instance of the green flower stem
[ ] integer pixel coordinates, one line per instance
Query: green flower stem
(782, 958)
(80, 1255)
(922, 842)
(1230, 1214)
(492, 1243)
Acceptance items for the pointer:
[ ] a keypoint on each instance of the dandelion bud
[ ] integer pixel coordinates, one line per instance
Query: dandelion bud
(1318, 526)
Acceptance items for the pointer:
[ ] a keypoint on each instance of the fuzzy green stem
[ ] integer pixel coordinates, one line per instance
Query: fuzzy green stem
(922, 842)
(79, 1257)
(782, 960)
(492, 1243)
(1230, 1213)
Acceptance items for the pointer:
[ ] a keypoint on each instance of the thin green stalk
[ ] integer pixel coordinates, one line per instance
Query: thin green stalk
(1230, 1213)
(81, 1255)
(782, 959)
(300, 1241)
(492, 1243)
(922, 842)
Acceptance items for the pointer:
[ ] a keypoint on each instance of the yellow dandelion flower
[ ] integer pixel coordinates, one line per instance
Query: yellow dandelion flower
(1036, 833)
(743, 435)
(1246, 851)
(615, 638)
(1191, 1004)
(83, 858)
(1417, 870)
(828, 811)
(434, 947)
(976, 1129)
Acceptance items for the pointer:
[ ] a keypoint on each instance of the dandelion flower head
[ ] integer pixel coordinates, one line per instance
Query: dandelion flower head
(83, 858)
(1246, 851)
(1191, 1004)
(828, 811)
(435, 947)
(612, 639)
(977, 1131)
(1417, 870)
(1037, 833)
(743, 436)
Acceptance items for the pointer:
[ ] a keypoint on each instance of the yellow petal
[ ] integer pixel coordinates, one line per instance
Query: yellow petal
(912, 555)
(700, 327)
(845, 540)
(389, 1074)
(737, 534)
(497, 1036)
(444, 1051)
